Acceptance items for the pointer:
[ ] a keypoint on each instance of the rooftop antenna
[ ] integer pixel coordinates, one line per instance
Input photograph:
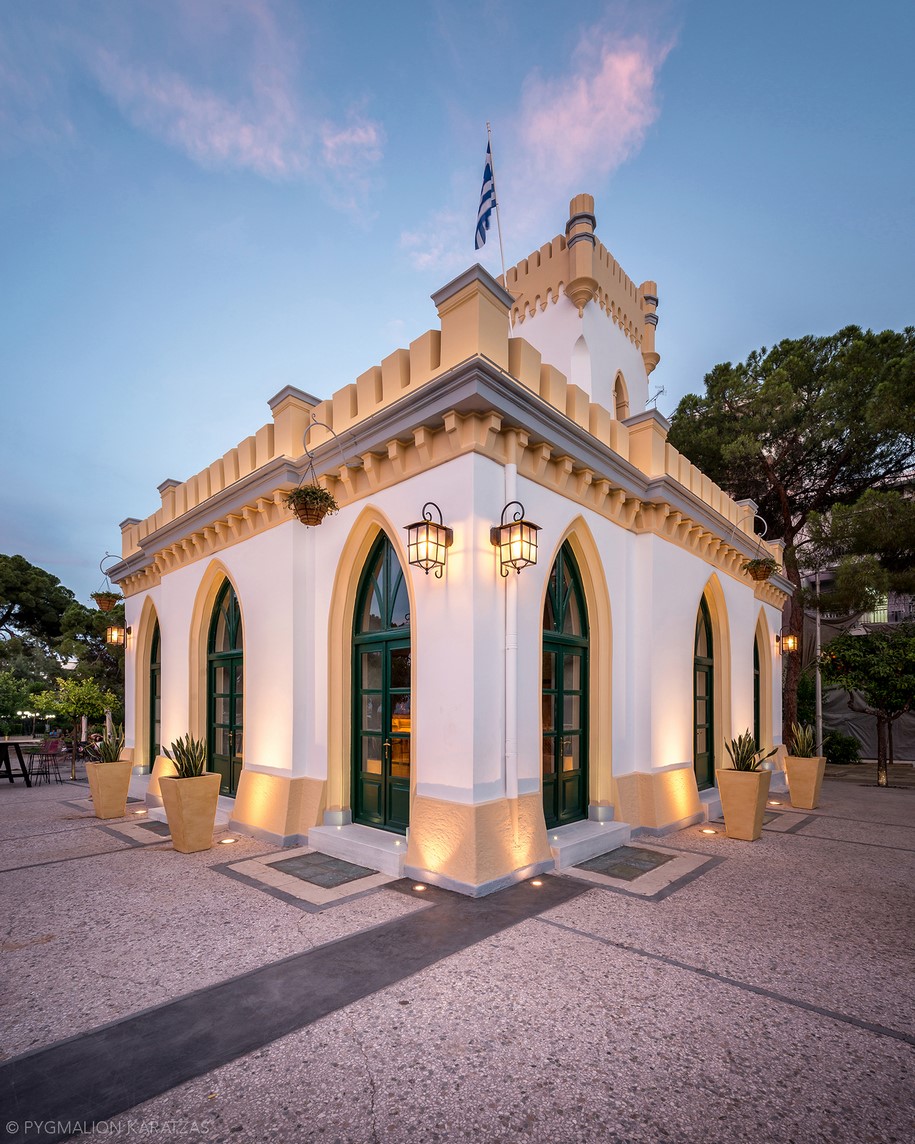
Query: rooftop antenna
(659, 392)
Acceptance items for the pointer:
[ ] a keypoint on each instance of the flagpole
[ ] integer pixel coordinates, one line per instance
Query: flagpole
(495, 195)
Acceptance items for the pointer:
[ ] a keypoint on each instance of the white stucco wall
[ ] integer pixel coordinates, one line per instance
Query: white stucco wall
(556, 333)
(284, 578)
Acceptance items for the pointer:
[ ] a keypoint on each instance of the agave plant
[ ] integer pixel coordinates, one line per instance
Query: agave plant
(189, 756)
(745, 755)
(109, 749)
(803, 741)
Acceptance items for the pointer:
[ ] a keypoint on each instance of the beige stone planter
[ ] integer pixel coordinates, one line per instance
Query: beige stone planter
(743, 800)
(108, 783)
(190, 807)
(805, 777)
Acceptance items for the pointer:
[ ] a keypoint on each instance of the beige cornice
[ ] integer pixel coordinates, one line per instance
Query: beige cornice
(410, 454)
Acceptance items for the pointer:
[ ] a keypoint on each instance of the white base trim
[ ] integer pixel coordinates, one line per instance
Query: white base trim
(579, 841)
(376, 849)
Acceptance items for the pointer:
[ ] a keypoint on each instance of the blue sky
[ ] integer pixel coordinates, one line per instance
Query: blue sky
(201, 203)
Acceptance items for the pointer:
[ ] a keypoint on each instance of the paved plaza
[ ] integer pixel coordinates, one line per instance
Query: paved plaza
(694, 989)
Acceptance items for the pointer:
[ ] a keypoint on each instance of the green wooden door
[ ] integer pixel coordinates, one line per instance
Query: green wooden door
(155, 697)
(382, 700)
(225, 692)
(565, 695)
(703, 701)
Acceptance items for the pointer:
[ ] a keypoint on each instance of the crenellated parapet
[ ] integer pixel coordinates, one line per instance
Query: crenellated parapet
(576, 264)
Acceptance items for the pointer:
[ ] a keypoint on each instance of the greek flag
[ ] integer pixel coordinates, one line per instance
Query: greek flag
(487, 200)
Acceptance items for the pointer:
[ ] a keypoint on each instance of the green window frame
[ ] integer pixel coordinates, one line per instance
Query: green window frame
(704, 700)
(382, 697)
(155, 696)
(225, 690)
(565, 694)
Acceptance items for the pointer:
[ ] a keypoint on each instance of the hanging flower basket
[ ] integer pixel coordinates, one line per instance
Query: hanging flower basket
(762, 568)
(105, 600)
(311, 503)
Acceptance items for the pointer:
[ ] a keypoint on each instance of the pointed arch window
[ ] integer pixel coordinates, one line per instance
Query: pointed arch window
(703, 700)
(225, 663)
(565, 694)
(155, 696)
(382, 701)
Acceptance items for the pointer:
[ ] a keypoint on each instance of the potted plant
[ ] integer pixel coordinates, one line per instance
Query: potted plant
(190, 796)
(744, 788)
(109, 777)
(761, 568)
(311, 503)
(804, 768)
(106, 599)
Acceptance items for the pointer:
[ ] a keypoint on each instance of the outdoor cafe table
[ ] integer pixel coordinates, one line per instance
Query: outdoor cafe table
(6, 764)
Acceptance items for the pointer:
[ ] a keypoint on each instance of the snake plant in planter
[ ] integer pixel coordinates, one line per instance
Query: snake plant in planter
(804, 768)
(109, 777)
(311, 503)
(744, 788)
(190, 796)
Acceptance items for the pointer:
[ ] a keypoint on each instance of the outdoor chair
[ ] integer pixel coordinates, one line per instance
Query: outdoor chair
(46, 761)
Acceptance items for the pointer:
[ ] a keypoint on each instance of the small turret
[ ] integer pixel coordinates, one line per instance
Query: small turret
(580, 242)
(648, 300)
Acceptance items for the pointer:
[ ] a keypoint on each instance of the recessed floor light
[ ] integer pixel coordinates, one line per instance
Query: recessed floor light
(139, 812)
(774, 802)
(419, 887)
(536, 882)
(709, 830)
(226, 841)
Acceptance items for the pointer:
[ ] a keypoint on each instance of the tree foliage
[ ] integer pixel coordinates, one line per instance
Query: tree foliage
(880, 666)
(32, 601)
(44, 629)
(809, 424)
(871, 545)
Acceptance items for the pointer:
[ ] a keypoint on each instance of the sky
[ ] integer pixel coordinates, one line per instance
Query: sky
(203, 202)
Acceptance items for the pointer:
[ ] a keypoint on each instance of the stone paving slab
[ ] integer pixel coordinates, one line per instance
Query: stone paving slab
(769, 998)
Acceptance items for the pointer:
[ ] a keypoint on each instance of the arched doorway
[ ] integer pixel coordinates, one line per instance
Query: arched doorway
(155, 697)
(225, 683)
(565, 694)
(703, 700)
(382, 703)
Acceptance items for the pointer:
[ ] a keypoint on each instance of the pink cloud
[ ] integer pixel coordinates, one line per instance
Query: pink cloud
(588, 122)
(260, 132)
(242, 103)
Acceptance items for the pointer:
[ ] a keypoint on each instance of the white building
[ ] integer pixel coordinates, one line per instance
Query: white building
(474, 728)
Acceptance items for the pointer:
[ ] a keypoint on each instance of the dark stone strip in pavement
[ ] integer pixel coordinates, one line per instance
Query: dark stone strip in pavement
(105, 1072)
(128, 846)
(846, 841)
(805, 821)
(760, 991)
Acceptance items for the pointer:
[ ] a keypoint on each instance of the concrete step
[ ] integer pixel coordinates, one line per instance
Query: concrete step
(582, 840)
(376, 849)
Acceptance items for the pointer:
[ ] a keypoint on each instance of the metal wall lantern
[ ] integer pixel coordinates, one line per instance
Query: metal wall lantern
(787, 642)
(427, 542)
(516, 540)
(115, 636)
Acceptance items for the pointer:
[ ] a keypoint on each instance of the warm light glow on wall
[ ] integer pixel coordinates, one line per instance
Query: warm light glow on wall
(516, 540)
(428, 542)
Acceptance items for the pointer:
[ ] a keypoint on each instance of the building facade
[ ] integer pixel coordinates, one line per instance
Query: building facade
(470, 728)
